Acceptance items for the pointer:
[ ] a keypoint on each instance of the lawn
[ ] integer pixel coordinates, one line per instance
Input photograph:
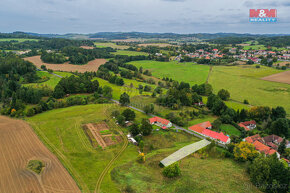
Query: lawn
(17, 39)
(130, 53)
(243, 82)
(110, 44)
(187, 72)
(230, 130)
(61, 130)
(197, 175)
(52, 79)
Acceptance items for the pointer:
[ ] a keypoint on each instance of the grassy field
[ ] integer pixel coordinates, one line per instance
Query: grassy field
(53, 80)
(197, 175)
(16, 39)
(243, 82)
(109, 44)
(130, 53)
(187, 72)
(61, 130)
(230, 130)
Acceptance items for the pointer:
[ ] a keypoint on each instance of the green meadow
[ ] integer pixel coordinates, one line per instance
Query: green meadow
(16, 39)
(229, 130)
(130, 53)
(110, 44)
(187, 72)
(243, 82)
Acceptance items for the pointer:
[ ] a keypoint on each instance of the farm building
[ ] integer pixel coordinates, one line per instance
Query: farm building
(204, 130)
(160, 122)
(248, 125)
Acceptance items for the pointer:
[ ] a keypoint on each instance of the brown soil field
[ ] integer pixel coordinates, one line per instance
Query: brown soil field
(92, 66)
(103, 140)
(18, 145)
(283, 77)
(162, 45)
(87, 47)
(281, 63)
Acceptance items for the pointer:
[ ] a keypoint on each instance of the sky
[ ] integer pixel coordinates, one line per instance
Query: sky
(176, 16)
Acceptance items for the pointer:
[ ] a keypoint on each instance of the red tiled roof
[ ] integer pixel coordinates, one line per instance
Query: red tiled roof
(286, 160)
(197, 128)
(164, 127)
(253, 138)
(246, 128)
(215, 135)
(249, 123)
(263, 148)
(205, 125)
(272, 145)
(160, 120)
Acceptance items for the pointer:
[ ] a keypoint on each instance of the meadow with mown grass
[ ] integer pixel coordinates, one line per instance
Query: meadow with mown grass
(187, 71)
(130, 53)
(244, 82)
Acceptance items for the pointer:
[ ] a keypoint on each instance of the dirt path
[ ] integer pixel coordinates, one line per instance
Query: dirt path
(18, 145)
(108, 167)
(209, 73)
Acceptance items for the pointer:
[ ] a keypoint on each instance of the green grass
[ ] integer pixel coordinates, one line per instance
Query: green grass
(231, 104)
(187, 72)
(53, 80)
(197, 175)
(243, 82)
(130, 53)
(230, 130)
(17, 39)
(61, 130)
(201, 120)
(109, 44)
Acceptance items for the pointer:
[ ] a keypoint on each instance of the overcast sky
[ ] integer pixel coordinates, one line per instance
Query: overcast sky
(179, 16)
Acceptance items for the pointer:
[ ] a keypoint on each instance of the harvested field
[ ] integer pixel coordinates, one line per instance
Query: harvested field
(18, 145)
(283, 77)
(92, 66)
(104, 138)
(87, 47)
(281, 63)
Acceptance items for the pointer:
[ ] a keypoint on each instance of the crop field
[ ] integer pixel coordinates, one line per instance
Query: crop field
(130, 53)
(16, 39)
(187, 72)
(197, 175)
(156, 44)
(283, 77)
(91, 66)
(244, 82)
(19, 145)
(61, 130)
(110, 44)
(52, 79)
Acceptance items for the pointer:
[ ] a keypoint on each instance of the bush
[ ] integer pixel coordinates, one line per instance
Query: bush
(258, 66)
(246, 102)
(172, 170)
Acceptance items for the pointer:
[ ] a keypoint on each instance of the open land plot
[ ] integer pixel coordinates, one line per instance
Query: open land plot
(243, 82)
(229, 130)
(281, 63)
(91, 66)
(87, 47)
(130, 53)
(18, 145)
(197, 175)
(61, 130)
(283, 77)
(162, 45)
(187, 72)
(110, 44)
(52, 80)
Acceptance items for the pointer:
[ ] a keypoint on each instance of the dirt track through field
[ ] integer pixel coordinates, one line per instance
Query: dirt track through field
(18, 145)
(283, 77)
(91, 66)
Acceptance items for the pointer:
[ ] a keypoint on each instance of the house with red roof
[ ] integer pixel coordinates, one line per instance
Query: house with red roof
(248, 125)
(160, 122)
(204, 130)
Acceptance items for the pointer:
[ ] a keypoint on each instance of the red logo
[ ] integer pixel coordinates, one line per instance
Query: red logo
(263, 13)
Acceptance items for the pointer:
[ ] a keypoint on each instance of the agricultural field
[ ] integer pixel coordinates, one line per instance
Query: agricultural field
(91, 66)
(16, 39)
(130, 53)
(162, 45)
(19, 145)
(187, 72)
(244, 82)
(51, 80)
(61, 130)
(110, 44)
(197, 175)
(283, 77)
